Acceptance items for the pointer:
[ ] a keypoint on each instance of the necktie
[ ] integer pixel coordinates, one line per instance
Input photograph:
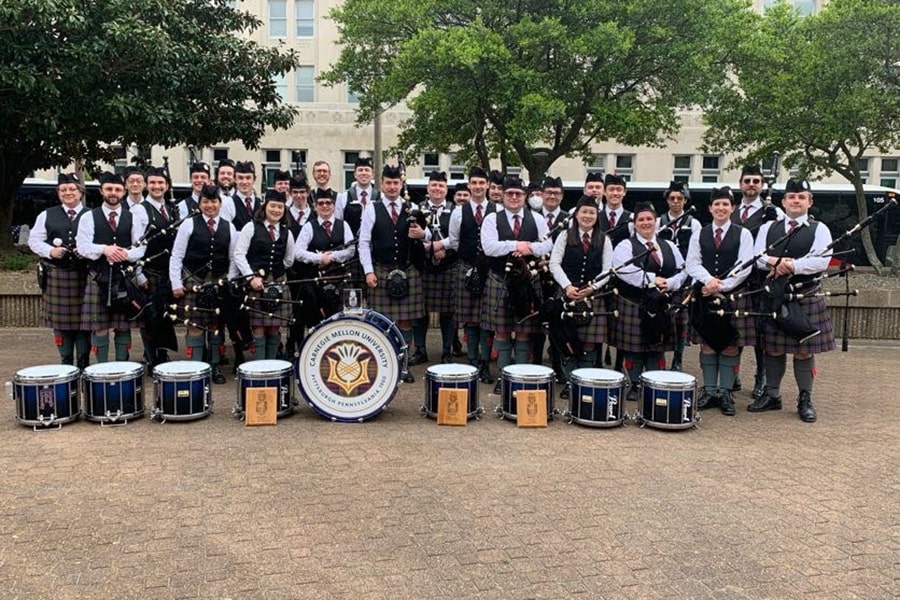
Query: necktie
(71, 214)
(746, 214)
(612, 220)
(363, 196)
(550, 221)
(272, 232)
(654, 254)
(717, 240)
(327, 226)
(793, 225)
(248, 202)
(162, 211)
(300, 216)
(112, 221)
(478, 216)
(211, 225)
(394, 214)
(517, 226)
(585, 242)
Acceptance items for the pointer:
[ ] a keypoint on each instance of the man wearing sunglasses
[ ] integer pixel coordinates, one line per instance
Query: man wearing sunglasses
(751, 213)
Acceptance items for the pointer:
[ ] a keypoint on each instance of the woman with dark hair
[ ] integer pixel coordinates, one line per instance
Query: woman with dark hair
(263, 253)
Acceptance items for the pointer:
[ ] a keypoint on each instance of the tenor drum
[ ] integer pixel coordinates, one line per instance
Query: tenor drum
(667, 400)
(524, 377)
(113, 392)
(278, 374)
(350, 365)
(182, 391)
(46, 395)
(454, 376)
(597, 397)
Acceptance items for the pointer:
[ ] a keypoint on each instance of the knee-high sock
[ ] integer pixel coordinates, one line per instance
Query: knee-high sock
(101, 346)
(259, 347)
(272, 341)
(728, 366)
(775, 368)
(523, 350)
(805, 372)
(484, 345)
(193, 347)
(123, 344)
(760, 359)
(420, 329)
(504, 353)
(472, 337)
(709, 366)
(215, 349)
(633, 362)
(447, 330)
(83, 348)
(65, 344)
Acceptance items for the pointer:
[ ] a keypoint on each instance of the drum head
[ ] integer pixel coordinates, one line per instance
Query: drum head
(602, 376)
(453, 370)
(113, 370)
(257, 368)
(668, 377)
(181, 368)
(349, 370)
(46, 373)
(528, 371)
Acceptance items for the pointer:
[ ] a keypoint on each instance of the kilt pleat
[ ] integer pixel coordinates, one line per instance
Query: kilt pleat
(776, 341)
(64, 298)
(467, 306)
(398, 309)
(495, 316)
(282, 310)
(626, 329)
(95, 316)
(439, 293)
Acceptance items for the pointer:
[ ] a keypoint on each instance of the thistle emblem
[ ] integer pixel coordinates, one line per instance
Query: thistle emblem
(346, 370)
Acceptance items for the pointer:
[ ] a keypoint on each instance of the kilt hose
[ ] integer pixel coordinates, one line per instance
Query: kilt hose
(408, 308)
(496, 316)
(467, 306)
(64, 297)
(440, 297)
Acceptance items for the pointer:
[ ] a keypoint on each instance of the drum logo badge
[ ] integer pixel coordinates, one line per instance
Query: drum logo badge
(348, 370)
(46, 398)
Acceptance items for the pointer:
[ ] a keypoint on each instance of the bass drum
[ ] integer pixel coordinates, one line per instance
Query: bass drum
(349, 366)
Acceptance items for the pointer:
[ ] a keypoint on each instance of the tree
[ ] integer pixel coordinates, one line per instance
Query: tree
(78, 76)
(533, 80)
(822, 90)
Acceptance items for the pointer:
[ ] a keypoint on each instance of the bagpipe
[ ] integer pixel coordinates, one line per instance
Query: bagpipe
(122, 294)
(669, 231)
(70, 260)
(561, 320)
(522, 298)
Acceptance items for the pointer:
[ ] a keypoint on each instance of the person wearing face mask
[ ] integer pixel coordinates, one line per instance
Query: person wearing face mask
(64, 272)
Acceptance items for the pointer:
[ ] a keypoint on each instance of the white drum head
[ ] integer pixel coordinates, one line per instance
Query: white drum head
(113, 370)
(529, 371)
(606, 376)
(263, 368)
(452, 370)
(675, 378)
(181, 368)
(46, 373)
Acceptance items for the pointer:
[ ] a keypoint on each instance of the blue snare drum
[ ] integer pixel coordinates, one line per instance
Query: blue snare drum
(597, 397)
(667, 400)
(277, 374)
(182, 391)
(524, 377)
(113, 392)
(46, 395)
(350, 364)
(455, 376)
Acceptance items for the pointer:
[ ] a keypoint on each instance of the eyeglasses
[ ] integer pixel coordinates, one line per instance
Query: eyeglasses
(754, 180)
(323, 202)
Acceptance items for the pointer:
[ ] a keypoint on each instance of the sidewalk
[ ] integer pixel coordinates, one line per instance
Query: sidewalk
(753, 506)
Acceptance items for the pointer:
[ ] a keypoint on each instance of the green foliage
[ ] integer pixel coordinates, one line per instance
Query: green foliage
(535, 80)
(78, 76)
(821, 90)
(15, 260)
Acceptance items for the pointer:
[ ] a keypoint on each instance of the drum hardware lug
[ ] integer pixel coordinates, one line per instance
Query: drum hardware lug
(156, 414)
(9, 390)
(113, 418)
(206, 393)
(499, 412)
(49, 425)
(478, 412)
(423, 411)
(237, 412)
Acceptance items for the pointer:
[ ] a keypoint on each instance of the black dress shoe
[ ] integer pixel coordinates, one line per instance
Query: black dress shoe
(759, 386)
(726, 402)
(407, 378)
(457, 348)
(632, 394)
(707, 400)
(805, 408)
(446, 358)
(564, 394)
(418, 357)
(736, 386)
(498, 388)
(217, 376)
(767, 402)
(484, 374)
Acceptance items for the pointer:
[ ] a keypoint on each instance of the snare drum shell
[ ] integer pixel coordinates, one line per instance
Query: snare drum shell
(667, 400)
(455, 376)
(182, 390)
(267, 373)
(524, 377)
(113, 391)
(597, 397)
(46, 395)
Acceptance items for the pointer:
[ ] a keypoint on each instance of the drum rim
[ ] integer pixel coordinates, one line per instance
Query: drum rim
(669, 377)
(201, 369)
(582, 379)
(243, 372)
(471, 371)
(71, 373)
(527, 370)
(95, 372)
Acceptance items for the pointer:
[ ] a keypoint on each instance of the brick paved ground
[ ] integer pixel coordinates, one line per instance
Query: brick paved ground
(756, 506)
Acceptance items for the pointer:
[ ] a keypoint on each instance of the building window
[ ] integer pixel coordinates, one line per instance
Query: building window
(625, 166)
(597, 165)
(120, 159)
(278, 18)
(710, 170)
(304, 16)
(281, 86)
(801, 7)
(306, 84)
(431, 161)
(457, 171)
(220, 154)
(298, 162)
(350, 158)
(681, 168)
(889, 172)
(271, 163)
(863, 165)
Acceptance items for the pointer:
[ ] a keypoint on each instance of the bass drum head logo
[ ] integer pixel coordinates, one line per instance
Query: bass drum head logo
(348, 370)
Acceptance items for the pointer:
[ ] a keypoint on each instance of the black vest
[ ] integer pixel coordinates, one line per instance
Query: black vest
(59, 226)
(668, 268)
(353, 209)
(753, 222)
(443, 223)
(719, 263)
(683, 234)
(241, 216)
(527, 233)
(159, 242)
(104, 235)
(265, 254)
(294, 224)
(390, 242)
(621, 232)
(319, 242)
(470, 232)
(579, 267)
(206, 253)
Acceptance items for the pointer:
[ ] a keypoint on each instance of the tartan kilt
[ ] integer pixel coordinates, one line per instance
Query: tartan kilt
(467, 306)
(495, 315)
(776, 341)
(746, 326)
(64, 298)
(284, 311)
(94, 314)
(596, 331)
(154, 280)
(398, 309)
(202, 318)
(439, 293)
(626, 329)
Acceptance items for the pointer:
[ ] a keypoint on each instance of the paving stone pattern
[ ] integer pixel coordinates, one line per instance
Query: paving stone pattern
(754, 506)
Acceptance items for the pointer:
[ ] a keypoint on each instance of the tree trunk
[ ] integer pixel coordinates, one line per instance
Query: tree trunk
(9, 189)
(865, 234)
